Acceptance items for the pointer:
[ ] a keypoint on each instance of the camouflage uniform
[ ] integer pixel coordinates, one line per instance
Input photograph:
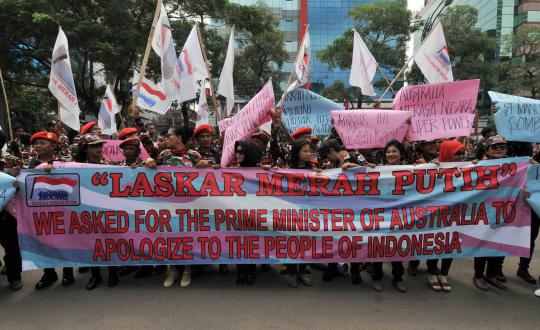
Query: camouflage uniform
(184, 157)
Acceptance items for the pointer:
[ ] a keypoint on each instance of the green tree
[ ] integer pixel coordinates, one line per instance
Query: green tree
(385, 27)
(522, 69)
(108, 37)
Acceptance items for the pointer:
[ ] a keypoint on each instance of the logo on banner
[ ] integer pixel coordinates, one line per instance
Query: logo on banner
(443, 56)
(53, 190)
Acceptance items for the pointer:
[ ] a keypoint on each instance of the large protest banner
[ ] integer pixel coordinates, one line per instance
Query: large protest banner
(113, 153)
(517, 118)
(124, 216)
(440, 110)
(303, 108)
(364, 129)
(533, 186)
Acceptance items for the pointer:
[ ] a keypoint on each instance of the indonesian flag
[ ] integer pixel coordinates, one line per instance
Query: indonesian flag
(62, 85)
(163, 45)
(192, 67)
(363, 68)
(226, 84)
(48, 183)
(302, 67)
(432, 57)
(151, 96)
(106, 117)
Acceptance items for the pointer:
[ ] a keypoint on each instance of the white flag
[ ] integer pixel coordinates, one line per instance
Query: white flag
(363, 68)
(106, 117)
(302, 67)
(192, 67)
(151, 96)
(202, 111)
(226, 84)
(163, 45)
(432, 57)
(62, 85)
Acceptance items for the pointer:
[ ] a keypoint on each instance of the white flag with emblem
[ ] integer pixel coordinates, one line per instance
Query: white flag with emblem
(432, 57)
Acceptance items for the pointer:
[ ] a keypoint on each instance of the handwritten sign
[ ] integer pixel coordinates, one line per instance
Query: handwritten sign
(113, 152)
(517, 118)
(303, 108)
(439, 111)
(246, 122)
(363, 129)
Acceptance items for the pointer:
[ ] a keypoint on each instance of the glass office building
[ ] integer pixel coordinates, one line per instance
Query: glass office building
(327, 21)
(498, 18)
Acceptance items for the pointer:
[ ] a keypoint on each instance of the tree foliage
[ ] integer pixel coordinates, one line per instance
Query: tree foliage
(107, 39)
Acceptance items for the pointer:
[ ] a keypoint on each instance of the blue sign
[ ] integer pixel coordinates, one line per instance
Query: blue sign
(517, 118)
(303, 108)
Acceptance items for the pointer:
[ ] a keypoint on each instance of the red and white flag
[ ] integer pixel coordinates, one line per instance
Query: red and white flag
(363, 68)
(48, 183)
(302, 67)
(62, 85)
(163, 45)
(432, 57)
(109, 108)
(192, 67)
(151, 96)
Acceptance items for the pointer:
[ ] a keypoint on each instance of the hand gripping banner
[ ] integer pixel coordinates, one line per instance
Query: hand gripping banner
(106, 216)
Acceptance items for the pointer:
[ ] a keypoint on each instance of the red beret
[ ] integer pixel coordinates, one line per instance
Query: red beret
(202, 129)
(261, 135)
(133, 141)
(50, 136)
(86, 128)
(302, 131)
(125, 132)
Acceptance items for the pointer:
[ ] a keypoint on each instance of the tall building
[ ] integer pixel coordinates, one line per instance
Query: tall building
(327, 21)
(498, 18)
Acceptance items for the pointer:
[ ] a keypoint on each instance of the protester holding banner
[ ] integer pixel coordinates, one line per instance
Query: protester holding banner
(45, 143)
(90, 151)
(450, 151)
(496, 148)
(395, 155)
(246, 155)
(300, 159)
(9, 238)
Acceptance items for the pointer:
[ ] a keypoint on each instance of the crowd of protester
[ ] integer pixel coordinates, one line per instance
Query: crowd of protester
(201, 148)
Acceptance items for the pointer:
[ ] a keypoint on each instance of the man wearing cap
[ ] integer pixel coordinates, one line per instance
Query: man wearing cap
(90, 128)
(205, 139)
(127, 133)
(45, 144)
(496, 148)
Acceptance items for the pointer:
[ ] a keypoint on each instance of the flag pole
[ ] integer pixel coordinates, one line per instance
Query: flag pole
(385, 79)
(7, 106)
(203, 89)
(292, 71)
(142, 71)
(395, 78)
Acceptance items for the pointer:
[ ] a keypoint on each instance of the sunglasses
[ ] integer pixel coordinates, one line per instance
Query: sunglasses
(499, 146)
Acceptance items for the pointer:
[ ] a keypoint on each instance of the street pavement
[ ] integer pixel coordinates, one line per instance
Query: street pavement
(215, 302)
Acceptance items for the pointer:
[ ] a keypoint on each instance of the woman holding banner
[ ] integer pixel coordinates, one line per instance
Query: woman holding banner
(450, 151)
(394, 155)
(300, 159)
(246, 155)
